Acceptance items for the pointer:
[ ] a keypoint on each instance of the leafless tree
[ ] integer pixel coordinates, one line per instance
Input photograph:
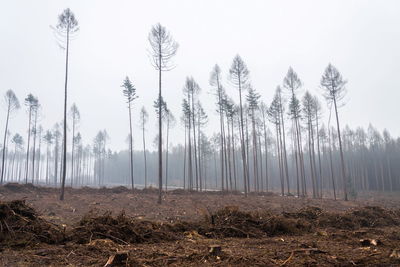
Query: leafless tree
(334, 90)
(215, 81)
(12, 105)
(239, 76)
(163, 49)
(75, 116)
(64, 31)
(292, 83)
(308, 110)
(130, 94)
(264, 114)
(169, 117)
(144, 116)
(32, 104)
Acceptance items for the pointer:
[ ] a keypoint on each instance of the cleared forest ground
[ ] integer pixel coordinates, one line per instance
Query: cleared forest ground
(197, 229)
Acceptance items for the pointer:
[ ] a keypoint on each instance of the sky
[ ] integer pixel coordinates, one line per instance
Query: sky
(361, 38)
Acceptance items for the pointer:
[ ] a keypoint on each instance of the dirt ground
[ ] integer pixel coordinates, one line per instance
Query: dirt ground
(196, 229)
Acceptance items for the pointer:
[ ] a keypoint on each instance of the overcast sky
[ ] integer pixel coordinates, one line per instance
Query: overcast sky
(361, 38)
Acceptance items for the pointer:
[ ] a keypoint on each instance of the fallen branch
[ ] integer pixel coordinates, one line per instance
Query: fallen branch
(112, 237)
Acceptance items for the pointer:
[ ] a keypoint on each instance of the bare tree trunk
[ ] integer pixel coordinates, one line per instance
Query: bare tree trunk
(131, 146)
(144, 154)
(341, 153)
(190, 167)
(281, 157)
(72, 150)
(64, 165)
(13, 173)
(34, 148)
(255, 157)
(199, 154)
(310, 157)
(233, 155)
(159, 131)
(242, 140)
(247, 154)
(5, 141)
(56, 161)
(314, 169)
(261, 163)
(221, 122)
(27, 149)
(266, 155)
(184, 164)
(278, 142)
(195, 144)
(225, 156)
(229, 156)
(38, 169)
(331, 164)
(47, 164)
(284, 145)
(319, 154)
(166, 158)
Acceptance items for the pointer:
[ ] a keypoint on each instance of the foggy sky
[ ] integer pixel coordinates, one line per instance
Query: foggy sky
(361, 38)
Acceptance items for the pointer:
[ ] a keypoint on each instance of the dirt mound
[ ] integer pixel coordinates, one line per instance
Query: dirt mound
(21, 226)
(227, 222)
(362, 217)
(115, 190)
(231, 222)
(121, 229)
(357, 218)
(149, 190)
(16, 187)
(179, 191)
(307, 213)
(119, 189)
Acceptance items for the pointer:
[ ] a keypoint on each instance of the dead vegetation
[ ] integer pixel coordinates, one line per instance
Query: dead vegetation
(220, 238)
(21, 226)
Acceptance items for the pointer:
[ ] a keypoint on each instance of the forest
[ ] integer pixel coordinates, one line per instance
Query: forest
(286, 169)
(292, 143)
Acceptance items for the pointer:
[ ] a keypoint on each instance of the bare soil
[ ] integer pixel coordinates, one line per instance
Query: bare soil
(194, 229)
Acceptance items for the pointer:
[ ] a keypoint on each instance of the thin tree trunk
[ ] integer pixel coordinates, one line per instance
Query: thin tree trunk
(266, 155)
(341, 153)
(166, 158)
(5, 141)
(190, 167)
(242, 139)
(184, 164)
(144, 154)
(34, 147)
(247, 154)
(64, 165)
(284, 145)
(195, 144)
(319, 154)
(233, 155)
(221, 122)
(131, 146)
(27, 149)
(56, 161)
(72, 150)
(331, 164)
(159, 130)
(229, 156)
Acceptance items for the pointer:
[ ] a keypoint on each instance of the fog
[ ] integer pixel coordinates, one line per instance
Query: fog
(361, 38)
